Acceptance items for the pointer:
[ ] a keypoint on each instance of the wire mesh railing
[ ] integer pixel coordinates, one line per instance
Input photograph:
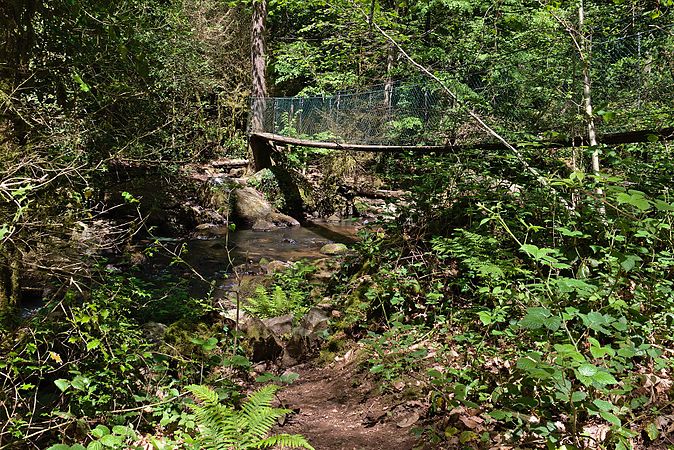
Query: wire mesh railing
(539, 95)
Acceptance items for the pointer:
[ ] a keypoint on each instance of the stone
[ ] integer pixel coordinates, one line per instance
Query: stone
(334, 249)
(263, 225)
(250, 205)
(231, 315)
(154, 331)
(253, 209)
(280, 326)
(276, 266)
(306, 336)
(264, 344)
(282, 220)
(314, 321)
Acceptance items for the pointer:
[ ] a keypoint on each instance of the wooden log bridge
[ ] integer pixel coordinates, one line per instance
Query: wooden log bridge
(263, 144)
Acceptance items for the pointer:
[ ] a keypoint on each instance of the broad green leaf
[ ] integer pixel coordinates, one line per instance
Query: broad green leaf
(570, 233)
(652, 431)
(587, 371)
(499, 414)
(566, 285)
(62, 384)
(664, 206)
(80, 383)
(535, 318)
(553, 323)
(123, 430)
(634, 198)
(210, 344)
(112, 441)
(597, 321)
(485, 317)
(611, 418)
(578, 396)
(603, 405)
(377, 368)
(604, 378)
(100, 431)
(569, 351)
(629, 262)
(599, 351)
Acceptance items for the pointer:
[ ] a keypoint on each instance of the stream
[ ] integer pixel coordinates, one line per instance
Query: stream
(209, 252)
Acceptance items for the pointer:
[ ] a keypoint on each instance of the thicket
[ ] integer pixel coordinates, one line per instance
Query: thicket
(546, 316)
(530, 314)
(86, 84)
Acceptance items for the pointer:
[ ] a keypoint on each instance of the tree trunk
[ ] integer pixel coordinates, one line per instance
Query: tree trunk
(586, 57)
(260, 152)
(388, 88)
(15, 280)
(257, 54)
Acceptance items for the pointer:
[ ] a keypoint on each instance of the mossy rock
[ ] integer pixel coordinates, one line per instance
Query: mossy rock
(334, 249)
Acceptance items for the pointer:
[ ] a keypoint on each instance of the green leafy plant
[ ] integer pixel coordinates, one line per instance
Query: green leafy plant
(266, 304)
(288, 294)
(224, 428)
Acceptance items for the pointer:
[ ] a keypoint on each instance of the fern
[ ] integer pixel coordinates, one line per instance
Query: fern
(265, 304)
(224, 428)
(284, 440)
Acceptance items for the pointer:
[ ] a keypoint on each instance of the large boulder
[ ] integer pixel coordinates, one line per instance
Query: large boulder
(254, 210)
(306, 336)
(250, 205)
(280, 326)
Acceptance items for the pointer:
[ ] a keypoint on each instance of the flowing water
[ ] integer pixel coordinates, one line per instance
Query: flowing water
(212, 253)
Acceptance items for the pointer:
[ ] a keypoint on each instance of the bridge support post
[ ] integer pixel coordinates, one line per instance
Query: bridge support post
(261, 149)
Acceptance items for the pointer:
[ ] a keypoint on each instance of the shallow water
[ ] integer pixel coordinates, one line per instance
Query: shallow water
(209, 254)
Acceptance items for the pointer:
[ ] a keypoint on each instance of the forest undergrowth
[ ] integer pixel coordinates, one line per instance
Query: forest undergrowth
(530, 320)
(516, 315)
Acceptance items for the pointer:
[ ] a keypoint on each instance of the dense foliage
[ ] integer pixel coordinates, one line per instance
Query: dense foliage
(540, 315)
(522, 311)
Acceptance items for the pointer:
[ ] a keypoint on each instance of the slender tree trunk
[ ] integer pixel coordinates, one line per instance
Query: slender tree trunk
(586, 57)
(15, 280)
(388, 87)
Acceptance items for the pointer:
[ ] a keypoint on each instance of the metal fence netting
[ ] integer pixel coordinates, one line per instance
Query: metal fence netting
(538, 97)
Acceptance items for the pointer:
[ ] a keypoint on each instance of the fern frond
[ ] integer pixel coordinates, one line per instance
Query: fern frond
(261, 421)
(204, 394)
(216, 421)
(224, 428)
(285, 441)
(260, 398)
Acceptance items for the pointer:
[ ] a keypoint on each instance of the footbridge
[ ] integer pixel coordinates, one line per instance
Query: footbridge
(535, 104)
(419, 120)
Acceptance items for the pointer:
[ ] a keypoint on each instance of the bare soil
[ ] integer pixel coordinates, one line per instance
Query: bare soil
(337, 408)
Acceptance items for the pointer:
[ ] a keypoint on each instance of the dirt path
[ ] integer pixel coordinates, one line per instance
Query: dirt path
(338, 410)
